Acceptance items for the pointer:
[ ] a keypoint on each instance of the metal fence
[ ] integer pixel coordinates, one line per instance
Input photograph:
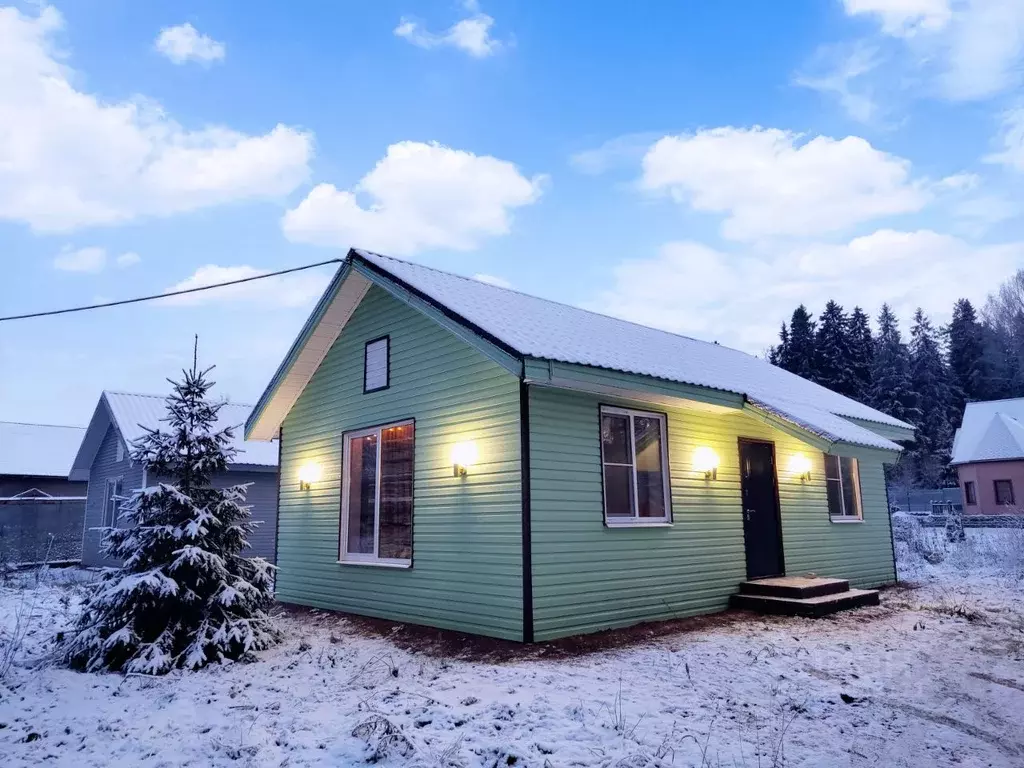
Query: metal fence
(919, 501)
(41, 530)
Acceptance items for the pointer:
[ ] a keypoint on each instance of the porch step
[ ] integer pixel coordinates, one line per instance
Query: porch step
(797, 587)
(812, 607)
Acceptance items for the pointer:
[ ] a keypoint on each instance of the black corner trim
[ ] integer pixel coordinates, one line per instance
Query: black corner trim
(524, 463)
(277, 512)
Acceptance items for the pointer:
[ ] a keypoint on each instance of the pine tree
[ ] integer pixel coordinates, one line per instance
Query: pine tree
(891, 390)
(797, 352)
(969, 375)
(929, 379)
(862, 355)
(777, 353)
(185, 596)
(833, 354)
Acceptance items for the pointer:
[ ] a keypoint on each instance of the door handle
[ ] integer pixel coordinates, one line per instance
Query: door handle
(747, 513)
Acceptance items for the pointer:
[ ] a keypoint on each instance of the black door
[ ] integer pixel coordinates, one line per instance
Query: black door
(762, 526)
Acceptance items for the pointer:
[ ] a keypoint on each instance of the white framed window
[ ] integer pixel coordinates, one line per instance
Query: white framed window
(842, 482)
(634, 467)
(377, 365)
(119, 451)
(111, 501)
(377, 495)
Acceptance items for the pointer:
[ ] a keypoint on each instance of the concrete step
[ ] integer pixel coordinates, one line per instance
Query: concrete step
(812, 607)
(797, 587)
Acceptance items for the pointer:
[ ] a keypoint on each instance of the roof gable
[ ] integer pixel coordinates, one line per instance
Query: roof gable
(990, 431)
(131, 413)
(525, 326)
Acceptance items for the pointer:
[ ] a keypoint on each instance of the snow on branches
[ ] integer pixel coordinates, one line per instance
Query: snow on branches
(185, 595)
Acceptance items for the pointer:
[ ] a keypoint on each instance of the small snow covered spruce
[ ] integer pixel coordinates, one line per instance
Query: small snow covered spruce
(185, 596)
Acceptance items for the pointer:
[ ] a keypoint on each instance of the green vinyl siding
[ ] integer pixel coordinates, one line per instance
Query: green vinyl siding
(467, 547)
(588, 577)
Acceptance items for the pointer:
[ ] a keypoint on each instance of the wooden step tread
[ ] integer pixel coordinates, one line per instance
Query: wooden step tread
(820, 605)
(795, 586)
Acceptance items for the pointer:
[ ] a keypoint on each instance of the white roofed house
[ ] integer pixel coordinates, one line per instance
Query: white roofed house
(988, 454)
(103, 460)
(41, 511)
(465, 456)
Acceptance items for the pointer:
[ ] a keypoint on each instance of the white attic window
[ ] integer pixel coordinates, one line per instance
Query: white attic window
(377, 364)
(120, 451)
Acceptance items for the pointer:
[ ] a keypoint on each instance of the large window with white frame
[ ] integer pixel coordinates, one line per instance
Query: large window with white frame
(377, 495)
(634, 465)
(842, 482)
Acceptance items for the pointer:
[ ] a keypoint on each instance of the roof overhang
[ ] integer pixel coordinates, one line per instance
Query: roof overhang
(329, 317)
(856, 439)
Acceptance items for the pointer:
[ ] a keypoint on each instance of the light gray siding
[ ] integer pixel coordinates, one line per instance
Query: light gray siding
(104, 467)
(262, 496)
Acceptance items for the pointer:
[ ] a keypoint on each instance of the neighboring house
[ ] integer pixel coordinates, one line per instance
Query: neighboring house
(103, 459)
(465, 456)
(41, 511)
(988, 453)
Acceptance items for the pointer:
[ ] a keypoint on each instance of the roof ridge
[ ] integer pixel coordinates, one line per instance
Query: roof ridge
(362, 251)
(38, 424)
(997, 400)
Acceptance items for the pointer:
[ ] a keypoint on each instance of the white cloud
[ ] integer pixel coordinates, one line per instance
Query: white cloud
(770, 182)
(128, 259)
(421, 196)
(68, 159)
(904, 17)
(294, 290)
(184, 43)
(472, 34)
(839, 72)
(974, 49)
(740, 299)
(90, 259)
(1011, 141)
(492, 280)
(621, 151)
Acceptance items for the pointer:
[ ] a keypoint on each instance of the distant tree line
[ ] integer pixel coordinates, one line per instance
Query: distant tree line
(926, 381)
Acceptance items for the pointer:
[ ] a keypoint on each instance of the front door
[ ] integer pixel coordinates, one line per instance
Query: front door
(762, 524)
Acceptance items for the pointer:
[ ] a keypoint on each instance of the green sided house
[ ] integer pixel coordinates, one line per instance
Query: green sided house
(464, 456)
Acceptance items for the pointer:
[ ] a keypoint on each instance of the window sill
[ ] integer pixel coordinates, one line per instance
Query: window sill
(636, 524)
(845, 520)
(378, 563)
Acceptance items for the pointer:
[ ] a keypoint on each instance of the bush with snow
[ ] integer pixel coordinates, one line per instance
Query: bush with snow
(185, 596)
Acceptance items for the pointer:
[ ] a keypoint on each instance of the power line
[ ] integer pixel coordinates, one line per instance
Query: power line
(171, 293)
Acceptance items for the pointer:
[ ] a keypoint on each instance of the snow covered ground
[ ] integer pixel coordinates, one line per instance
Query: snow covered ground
(934, 676)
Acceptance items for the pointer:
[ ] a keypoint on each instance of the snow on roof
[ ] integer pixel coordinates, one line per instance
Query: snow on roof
(990, 431)
(548, 330)
(38, 449)
(131, 411)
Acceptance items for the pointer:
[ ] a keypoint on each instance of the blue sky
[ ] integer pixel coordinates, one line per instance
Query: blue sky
(701, 167)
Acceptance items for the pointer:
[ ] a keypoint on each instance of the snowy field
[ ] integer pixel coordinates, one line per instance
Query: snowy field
(932, 677)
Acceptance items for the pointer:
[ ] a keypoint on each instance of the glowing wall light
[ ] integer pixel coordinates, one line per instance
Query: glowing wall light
(800, 465)
(464, 456)
(309, 473)
(706, 460)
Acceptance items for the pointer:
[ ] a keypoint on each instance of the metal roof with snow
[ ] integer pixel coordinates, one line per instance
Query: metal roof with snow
(525, 326)
(992, 430)
(132, 413)
(38, 450)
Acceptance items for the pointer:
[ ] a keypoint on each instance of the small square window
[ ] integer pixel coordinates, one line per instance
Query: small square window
(377, 365)
(970, 494)
(1004, 492)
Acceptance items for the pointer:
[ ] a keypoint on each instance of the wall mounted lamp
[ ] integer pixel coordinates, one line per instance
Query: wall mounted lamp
(706, 460)
(464, 456)
(309, 473)
(800, 465)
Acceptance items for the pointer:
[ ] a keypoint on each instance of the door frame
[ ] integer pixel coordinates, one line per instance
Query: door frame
(740, 442)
